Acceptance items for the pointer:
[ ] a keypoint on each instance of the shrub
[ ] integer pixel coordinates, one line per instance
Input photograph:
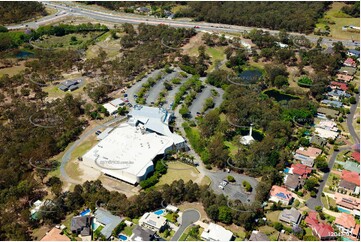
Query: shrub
(231, 179)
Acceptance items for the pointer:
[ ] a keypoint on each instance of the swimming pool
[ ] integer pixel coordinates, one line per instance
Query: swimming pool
(286, 170)
(159, 212)
(85, 212)
(122, 237)
(343, 210)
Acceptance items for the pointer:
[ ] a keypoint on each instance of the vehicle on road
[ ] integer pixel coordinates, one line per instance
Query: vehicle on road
(196, 27)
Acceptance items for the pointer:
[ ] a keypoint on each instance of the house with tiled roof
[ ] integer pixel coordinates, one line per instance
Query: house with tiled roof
(337, 94)
(280, 194)
(294, 182)
(344, 77)
(348, 203)
(339, 85)
(346, 224)
(355, 53)
(55, 234)
(350, 62)
(318, 141)
(346, 70)
(356, 156)
(291, 216)
(351, 176)
(320, 229)
(301, 170)
(307, 155)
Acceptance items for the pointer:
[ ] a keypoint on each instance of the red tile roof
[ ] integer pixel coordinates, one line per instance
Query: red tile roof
(55, 235)
(310, 151)
(351, 176)
(356, 156)
(344, 77)
(341, 85)
(322, 229)
(356, 230)
(300, 169)
(350, 62)
(346, 221)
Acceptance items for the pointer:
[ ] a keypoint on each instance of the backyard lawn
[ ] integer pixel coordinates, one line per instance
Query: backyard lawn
(273, 216)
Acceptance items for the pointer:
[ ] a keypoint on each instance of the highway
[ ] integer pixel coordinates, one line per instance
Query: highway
(119, 18)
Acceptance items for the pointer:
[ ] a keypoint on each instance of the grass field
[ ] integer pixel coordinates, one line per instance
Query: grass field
(216, 54)
(270, 232)
(128, 230)
(232, 147)
(273, 216)
(340, 19)
(66, 40)
(11, 71)
(177, 171)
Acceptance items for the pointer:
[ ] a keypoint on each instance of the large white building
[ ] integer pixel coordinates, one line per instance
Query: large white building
(128, 151)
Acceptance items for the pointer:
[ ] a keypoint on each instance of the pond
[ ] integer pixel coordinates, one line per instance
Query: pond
(24, 54)
(250, 76)
(279, 96)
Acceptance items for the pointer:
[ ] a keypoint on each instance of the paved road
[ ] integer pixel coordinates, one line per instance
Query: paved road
(313, 202)
(189, 217)
(119, 18)
(350, 119)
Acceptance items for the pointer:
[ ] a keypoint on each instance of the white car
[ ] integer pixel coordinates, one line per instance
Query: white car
(221, 187)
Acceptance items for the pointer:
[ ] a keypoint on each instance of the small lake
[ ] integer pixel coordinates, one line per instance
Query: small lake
(279, 96)
(250, 76)
(24, 54)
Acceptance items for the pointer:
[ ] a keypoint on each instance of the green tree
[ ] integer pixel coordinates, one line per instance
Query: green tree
(225, 215)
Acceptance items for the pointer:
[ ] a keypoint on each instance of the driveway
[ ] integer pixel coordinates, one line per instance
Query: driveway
(189, 217)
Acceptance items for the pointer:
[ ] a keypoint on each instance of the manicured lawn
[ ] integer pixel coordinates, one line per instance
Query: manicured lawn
(270, 232)
(178, 170)
(340, 19)
(308, 231)
(273, 216)
(128, 230)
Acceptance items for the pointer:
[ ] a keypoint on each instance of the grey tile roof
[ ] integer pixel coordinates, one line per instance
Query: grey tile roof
(291, 216)
(109, 221)
(142, 234)
(81, 224)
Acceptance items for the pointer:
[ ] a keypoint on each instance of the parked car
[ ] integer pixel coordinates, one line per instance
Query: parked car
(98, 132)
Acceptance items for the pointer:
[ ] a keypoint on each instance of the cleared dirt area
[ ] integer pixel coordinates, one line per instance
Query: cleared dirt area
(11, 71)
(191, 48)
(198, 206)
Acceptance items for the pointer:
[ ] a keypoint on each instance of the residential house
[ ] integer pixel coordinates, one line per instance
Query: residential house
(332, 103)
(356, 156)
(339, 85)
(107, 220)
(153, 222)
(350, 62)
(354, 53)
(142, 234)
(291, 216)
(323, 113)
(346, 70)
(350, 182)
(350, 165)
(337, 94)
(326, 134)
(215, 232)
(258, 236)
(318, 141)
(348, 203)
(280, 194)
(112, 106)
(293, 182)
(55, 234)
(81, 225)
(301, 170)
(70, 85)
(320, 229)
(143, 10)
(351, 176)
(344, 77)
(346, 224)
(171, 208)
(307, 155)
(328, 125)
